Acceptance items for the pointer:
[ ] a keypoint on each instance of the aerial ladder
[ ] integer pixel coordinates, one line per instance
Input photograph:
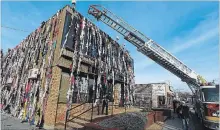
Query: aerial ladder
(198, 85)
(147, 46)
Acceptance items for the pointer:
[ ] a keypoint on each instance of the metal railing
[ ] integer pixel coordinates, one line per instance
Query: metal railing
(92, 108)
(67, 114)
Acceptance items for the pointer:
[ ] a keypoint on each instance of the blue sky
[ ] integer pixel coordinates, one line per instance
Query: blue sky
(189, 30)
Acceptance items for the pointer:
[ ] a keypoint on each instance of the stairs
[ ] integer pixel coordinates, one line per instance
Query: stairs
(75, 124)
(80, 117)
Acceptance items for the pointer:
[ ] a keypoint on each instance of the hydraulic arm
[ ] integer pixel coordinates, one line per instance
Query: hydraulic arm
(147, 46)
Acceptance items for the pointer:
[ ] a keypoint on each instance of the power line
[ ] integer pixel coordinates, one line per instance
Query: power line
(13, 28)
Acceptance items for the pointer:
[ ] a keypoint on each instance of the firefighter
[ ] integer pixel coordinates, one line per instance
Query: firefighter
(105, 99)
(185, 113)
(179, 110)
(174, 106)
(105, 105)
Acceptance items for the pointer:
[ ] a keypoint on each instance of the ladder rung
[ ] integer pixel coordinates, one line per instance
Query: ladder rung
(125, 32)
(108, 20)
(112, 23)
(138, 42)
(122, 30)
(104, 18)
(118, 28)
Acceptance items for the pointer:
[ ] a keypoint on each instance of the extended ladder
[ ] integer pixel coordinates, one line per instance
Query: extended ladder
(146, 46)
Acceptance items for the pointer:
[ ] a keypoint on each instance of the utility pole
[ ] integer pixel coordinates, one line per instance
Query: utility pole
(177, 91)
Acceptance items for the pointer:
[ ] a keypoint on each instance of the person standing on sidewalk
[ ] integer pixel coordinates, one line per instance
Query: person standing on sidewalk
(105, 99)
(174, 106)
(185, 112)
(179, 110)
(105, 105)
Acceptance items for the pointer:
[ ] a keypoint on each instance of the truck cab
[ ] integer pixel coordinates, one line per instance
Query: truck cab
(207, 106)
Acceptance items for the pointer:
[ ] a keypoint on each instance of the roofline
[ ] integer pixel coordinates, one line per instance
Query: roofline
(153, 83)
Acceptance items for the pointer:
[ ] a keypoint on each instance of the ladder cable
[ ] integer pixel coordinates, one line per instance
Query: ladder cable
(13, 28)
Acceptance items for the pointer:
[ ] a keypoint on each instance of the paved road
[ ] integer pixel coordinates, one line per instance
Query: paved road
(177, 124)
(195, 122)
(173, 124)
(12, 123)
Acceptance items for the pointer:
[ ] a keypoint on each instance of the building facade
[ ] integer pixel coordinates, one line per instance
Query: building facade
(65, 62)
(143, 95)
(153, 95)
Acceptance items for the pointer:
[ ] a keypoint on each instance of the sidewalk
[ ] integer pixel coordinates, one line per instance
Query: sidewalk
(156, 126)
(11, 123)
(173, 124)
(169, 124)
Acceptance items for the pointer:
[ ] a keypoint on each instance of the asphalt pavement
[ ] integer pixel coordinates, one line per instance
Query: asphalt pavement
(177, 124)
(11, 123)
(195, 122)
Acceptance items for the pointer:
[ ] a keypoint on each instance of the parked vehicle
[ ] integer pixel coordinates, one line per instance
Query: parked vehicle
(207, 105)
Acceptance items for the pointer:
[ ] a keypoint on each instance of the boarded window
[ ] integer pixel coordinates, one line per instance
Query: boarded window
(66, 28)
(64, 86)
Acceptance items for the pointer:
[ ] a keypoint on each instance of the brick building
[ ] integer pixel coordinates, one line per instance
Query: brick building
(65, 62)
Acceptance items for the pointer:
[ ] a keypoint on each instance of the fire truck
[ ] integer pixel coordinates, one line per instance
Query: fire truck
(207, 105)
(206, 94)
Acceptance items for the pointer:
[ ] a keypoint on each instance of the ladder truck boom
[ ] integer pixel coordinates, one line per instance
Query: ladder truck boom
(147, 46)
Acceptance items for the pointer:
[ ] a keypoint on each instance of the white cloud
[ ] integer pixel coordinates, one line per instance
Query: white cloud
(196, 41)
(202, 33)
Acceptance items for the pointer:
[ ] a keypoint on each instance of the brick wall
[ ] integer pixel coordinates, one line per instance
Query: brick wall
(51, 108)
(153, 117)
(150, 119)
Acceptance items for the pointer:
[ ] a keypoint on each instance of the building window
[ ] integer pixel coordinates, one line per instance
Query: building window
(161, 100)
